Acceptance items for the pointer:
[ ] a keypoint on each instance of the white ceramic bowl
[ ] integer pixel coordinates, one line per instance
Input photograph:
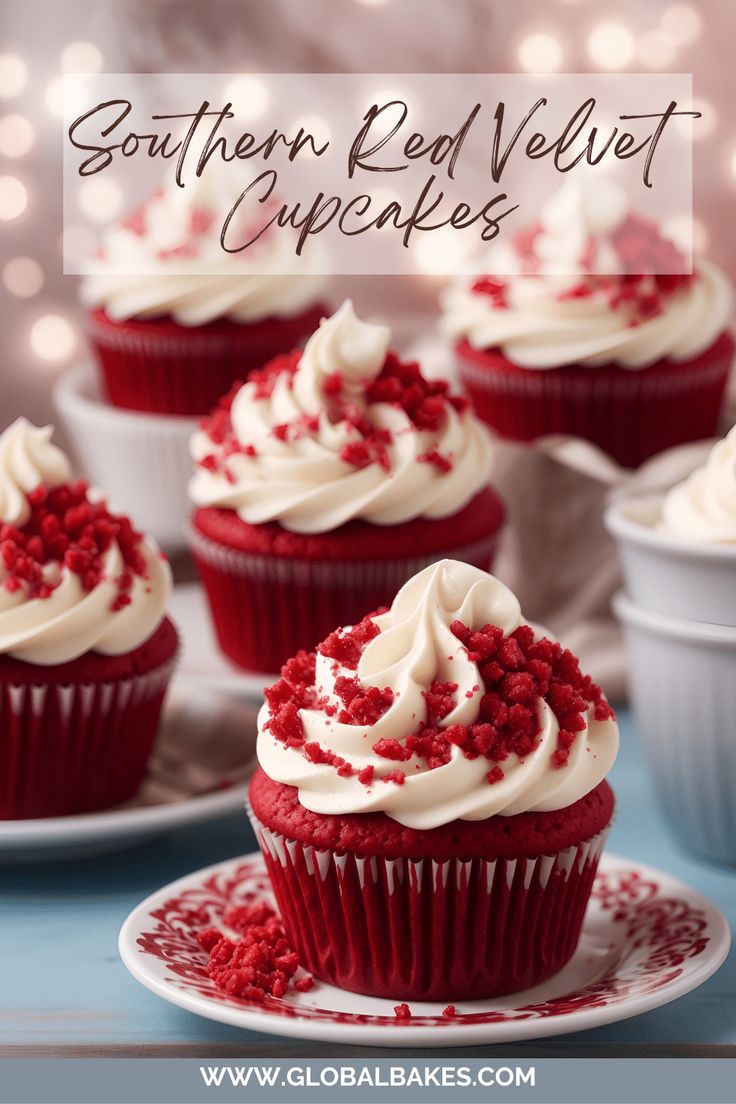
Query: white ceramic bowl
(683, 690)
(679, 578)
(140, 460)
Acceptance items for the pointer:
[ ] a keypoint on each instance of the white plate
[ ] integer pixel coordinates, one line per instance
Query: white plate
(201, 662)
(51, 839)
(647, 939)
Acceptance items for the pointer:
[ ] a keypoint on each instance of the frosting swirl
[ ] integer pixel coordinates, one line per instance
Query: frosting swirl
(556, 307)
(703, 507)
(343, 431)
(166, 259)
(403, 690)
(27, 460)
(73, 577)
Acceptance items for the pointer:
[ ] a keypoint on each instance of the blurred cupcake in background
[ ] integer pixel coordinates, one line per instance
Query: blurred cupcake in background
(86, 650)
(591, 333)
(324, 483)
(174, 320)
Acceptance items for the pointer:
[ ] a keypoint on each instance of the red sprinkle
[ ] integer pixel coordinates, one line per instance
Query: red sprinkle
(66, 527)
(363, 705)
(425, 402)
(442, 463)
(517, 671)
(495, 289)
(261, 963)
(402, 1012)
(346, 647)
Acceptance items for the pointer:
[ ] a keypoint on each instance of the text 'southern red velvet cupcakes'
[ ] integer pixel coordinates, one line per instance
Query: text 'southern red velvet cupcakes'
(431, 801)
(594, 332)
(324, 483)
(86, 651)
(174, 321)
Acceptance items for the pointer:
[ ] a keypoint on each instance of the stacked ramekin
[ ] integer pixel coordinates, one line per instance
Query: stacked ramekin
(678, 610)
(142, 459)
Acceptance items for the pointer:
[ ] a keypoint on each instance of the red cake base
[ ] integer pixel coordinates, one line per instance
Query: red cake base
(273, 592)
(163, 367)
(466, 911)
(77, 736)
(631, 414)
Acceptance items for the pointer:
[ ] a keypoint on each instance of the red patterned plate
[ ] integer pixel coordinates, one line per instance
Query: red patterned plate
(647, 940)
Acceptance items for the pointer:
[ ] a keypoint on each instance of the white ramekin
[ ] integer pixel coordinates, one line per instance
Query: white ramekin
(683, 690)
(140, 460)
(679, 578)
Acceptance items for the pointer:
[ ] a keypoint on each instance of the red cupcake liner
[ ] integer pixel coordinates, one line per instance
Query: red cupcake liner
(267, 608)
(426, 930)
(76, 747)
(630, 414)
(162, 367)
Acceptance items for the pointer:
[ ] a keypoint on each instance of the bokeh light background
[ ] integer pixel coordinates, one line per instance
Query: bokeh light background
(41, 39)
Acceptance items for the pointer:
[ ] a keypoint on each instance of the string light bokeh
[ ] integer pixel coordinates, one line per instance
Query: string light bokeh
(43, 41)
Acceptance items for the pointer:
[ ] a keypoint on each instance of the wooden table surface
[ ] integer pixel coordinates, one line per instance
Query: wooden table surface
(64, 990)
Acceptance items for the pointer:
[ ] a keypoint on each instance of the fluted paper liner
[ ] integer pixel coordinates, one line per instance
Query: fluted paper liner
(188, 369)
(424, 930)
(266, 608)
(74, 748)
(630, 414)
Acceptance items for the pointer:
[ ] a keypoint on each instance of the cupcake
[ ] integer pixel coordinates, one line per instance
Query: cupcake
(431, 799)
(635, 360)
(174, 321)
(324, 483)
(86, 651)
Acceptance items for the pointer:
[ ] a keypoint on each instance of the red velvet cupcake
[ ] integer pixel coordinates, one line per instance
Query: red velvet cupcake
(175, 321)
(327, 481)
(162, 366)
(431, 803)
(86, 651)
(594, 332)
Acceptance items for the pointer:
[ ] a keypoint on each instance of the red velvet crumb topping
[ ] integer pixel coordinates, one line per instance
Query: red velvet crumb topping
(65, 527)
(363, 705)
(646, 259)
(494, 288)
(437, 459)
(517, 672)
(258, 965)
(346, 646)
(425, 402)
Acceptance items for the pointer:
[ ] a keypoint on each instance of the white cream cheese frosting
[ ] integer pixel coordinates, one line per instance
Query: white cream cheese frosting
(320, 449)
(703, 507)
(28, 460)
(58, 599)
(413, 648)
(166, 259)
(567, 298)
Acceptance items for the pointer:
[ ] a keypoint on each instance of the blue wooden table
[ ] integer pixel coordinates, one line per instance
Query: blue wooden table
(63, 988)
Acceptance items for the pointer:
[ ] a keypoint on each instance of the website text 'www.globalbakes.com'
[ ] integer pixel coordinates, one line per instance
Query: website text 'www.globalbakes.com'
(355, 1075)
